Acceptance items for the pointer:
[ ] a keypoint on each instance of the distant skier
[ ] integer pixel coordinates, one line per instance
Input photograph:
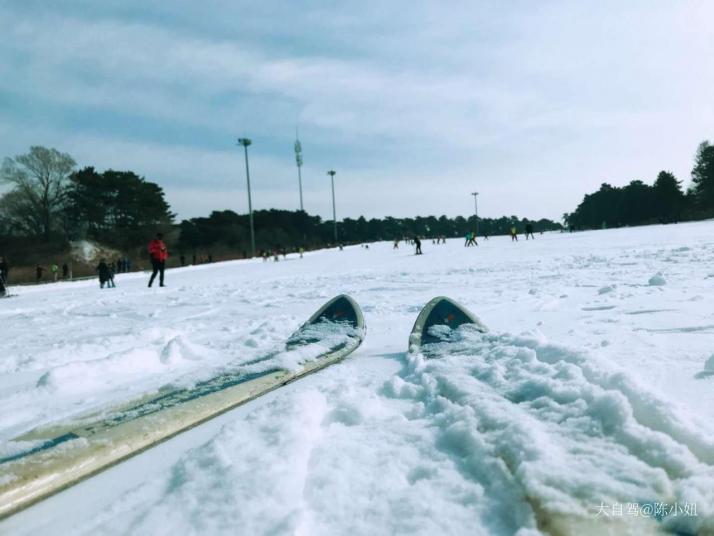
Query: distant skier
(529, 231)
(55, 271)
(39, 270)
(112, 271)
(471, 240)
(104, 273)
(158, 253)
(396, 244)
(4, 269)
(417, 243)
(514, 234)
(65, 271)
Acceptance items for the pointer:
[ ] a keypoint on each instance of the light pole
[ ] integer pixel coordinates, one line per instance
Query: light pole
(475, 194)
(245, 142)
(298, 161)
(332, 173)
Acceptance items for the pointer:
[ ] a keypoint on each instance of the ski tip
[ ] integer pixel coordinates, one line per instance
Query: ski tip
(341, 308)
(440, 311)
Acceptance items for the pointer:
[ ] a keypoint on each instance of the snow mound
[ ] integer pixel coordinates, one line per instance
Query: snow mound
(657, 280)
(709, 365)
(307, 344)
(547, 428)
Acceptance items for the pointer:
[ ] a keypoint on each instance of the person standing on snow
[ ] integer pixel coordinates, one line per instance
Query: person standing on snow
(104, 273)
(529, 231)
(514, 234)
(112, 271)
(417, 243)
(158, 253)
(4, 269)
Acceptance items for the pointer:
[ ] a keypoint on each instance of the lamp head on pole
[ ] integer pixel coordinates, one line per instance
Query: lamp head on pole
(245, 142)
(332, 172)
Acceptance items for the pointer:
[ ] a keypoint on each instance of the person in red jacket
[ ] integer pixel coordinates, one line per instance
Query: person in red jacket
(158, 254)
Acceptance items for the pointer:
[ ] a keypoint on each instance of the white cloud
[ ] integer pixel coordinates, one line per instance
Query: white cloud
(418, 104)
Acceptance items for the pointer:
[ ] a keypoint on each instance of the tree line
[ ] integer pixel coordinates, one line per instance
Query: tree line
(285, 229)
(51, 202)
(638, 203)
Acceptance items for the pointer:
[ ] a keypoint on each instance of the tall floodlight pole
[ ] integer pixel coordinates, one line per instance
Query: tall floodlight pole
(332, 173)
(245, 142)
(298, 161)
(475, 194)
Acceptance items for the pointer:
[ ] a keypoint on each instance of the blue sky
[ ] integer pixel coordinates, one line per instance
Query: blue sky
(415, 104)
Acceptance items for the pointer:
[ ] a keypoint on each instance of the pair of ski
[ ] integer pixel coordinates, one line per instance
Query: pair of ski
(53, 457)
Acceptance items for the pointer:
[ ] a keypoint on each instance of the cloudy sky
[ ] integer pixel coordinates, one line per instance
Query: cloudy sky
(415, 104)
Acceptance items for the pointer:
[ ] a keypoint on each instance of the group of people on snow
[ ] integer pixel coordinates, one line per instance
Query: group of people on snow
(106, 274)
(54, 270)
(158, 254)
(470, 238)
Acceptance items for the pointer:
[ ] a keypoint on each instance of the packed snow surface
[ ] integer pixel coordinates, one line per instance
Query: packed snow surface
(591, 397)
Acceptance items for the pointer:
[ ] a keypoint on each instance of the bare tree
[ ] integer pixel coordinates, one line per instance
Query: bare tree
(18, 216)
(39, 181)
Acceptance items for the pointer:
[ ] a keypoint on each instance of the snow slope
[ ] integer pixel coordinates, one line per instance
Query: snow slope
(593, 389)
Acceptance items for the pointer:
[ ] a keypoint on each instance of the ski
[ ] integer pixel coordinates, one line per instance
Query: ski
(431, 336)
(436, 321)
(50, 458)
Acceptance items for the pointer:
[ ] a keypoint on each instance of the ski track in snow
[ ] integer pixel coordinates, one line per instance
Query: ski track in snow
(593, 386)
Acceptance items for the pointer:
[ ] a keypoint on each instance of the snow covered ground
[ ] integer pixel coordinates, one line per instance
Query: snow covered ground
(592, 395)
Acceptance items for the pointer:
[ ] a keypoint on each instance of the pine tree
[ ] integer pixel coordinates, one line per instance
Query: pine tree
(669, 198)
(703, 176)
